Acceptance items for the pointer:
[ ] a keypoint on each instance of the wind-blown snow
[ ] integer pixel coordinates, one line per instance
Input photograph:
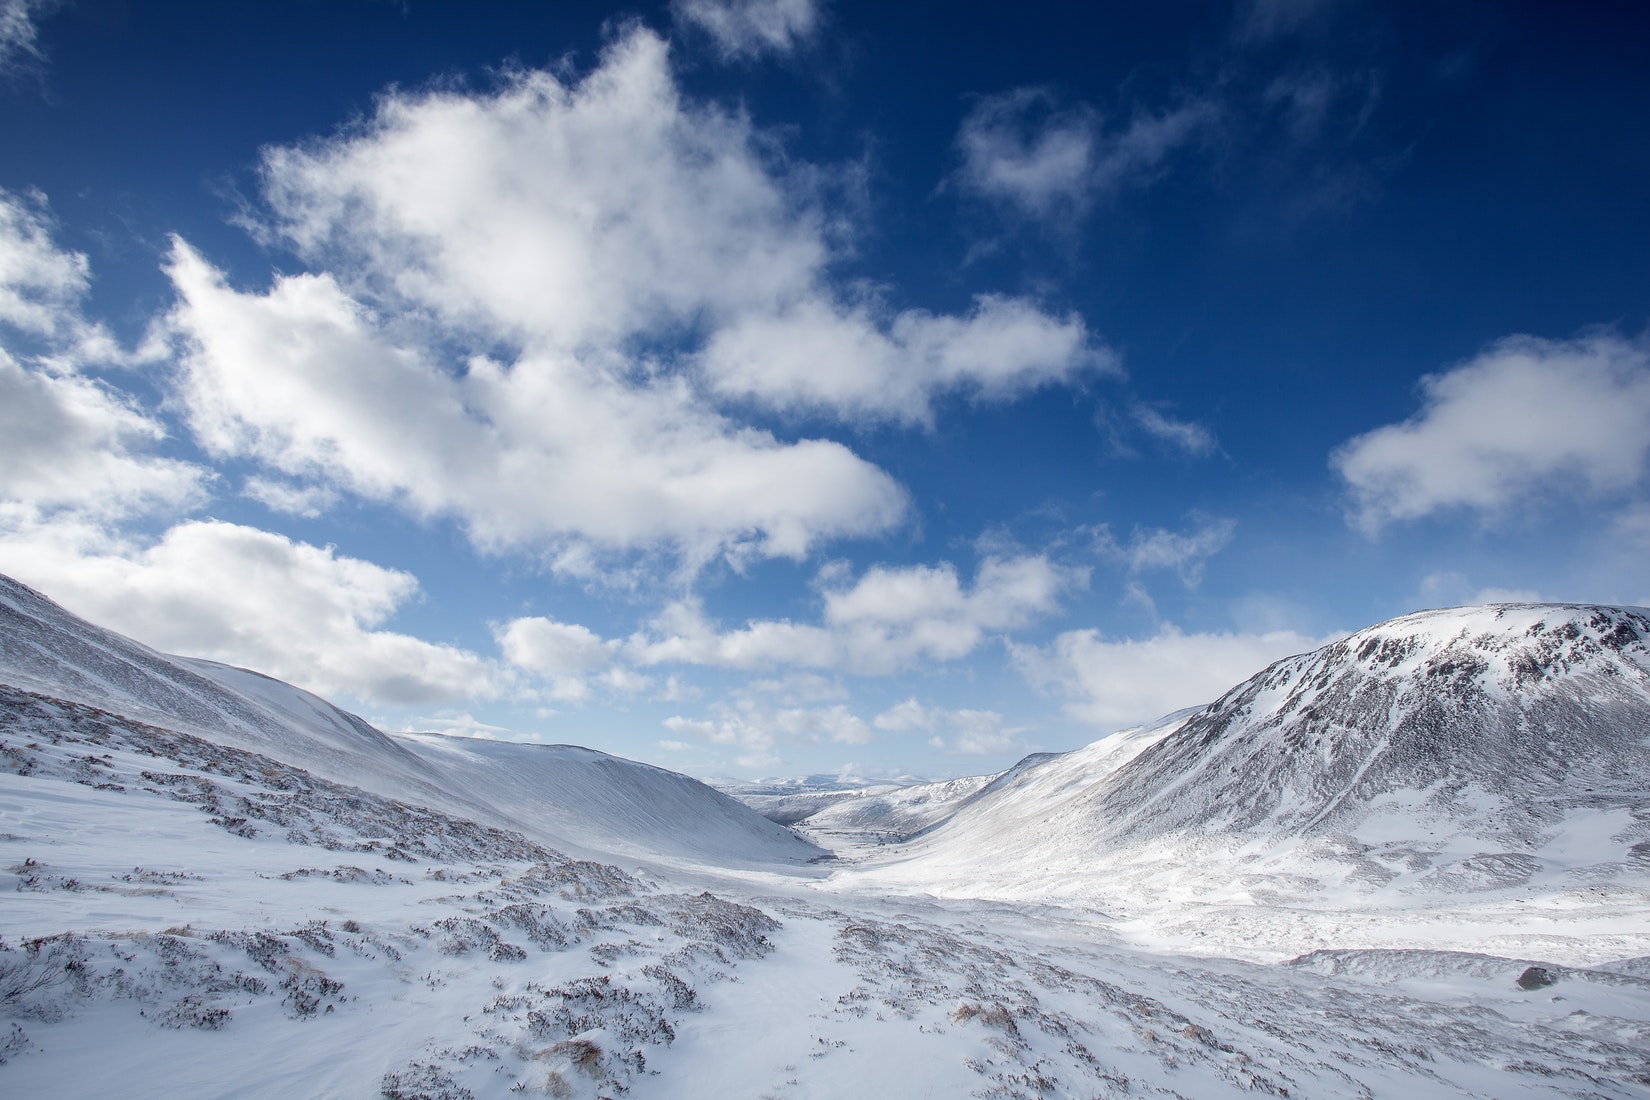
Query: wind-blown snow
(194, 909)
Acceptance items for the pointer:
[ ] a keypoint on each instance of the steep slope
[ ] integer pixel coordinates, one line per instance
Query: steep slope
(1504, 718)
(572, 798)
(1455, 751)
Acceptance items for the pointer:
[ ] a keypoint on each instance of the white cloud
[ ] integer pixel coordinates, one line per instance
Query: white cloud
(1151, 548)
(308, 501)
(302, 613)
(1019, 150)
(463, 724)
(1111, 684)
(40, 284)
(751, 28)
(18, 34)
(1193, 438)
(961, 732)
(564, 655)
(1526, 417)
(759, 731)
(1449, 589)
(66, 440)
(547, 450)
(523, 302)
(557, 215)
(887, 620)
(818, 356)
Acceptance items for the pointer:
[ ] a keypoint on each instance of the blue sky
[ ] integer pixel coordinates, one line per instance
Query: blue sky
(769, 387)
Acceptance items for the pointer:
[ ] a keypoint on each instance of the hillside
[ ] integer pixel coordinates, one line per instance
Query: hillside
(189, 917)
(1496, 753)
(571, 798)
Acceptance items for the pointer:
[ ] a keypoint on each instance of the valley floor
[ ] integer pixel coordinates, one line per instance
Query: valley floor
(182, 919)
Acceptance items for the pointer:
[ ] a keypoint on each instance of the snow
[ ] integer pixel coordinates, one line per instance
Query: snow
(240, 905)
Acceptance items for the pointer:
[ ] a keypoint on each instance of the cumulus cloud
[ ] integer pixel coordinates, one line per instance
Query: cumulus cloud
(1111, 684)
(564, 655)
(1527, 416)
(40, 284)
(744, 29)
(68, 441)
(960, 732)
(523, 304)
(886, 620)
(1022, 151)
(302, 613)
(304, 379)
(817, 356)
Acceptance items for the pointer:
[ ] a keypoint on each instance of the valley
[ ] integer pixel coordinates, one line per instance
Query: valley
(216, 884)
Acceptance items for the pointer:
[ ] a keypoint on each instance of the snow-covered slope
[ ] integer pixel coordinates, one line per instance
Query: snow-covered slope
(45, 648)
(1446, 752)
(185, 919)
(1502, 719)
(605, 804)
(572, 798)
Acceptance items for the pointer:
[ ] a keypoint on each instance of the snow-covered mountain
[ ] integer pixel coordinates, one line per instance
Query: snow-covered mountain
(576, 799)
(1504, 719)
(1450, 752)
(200, 902)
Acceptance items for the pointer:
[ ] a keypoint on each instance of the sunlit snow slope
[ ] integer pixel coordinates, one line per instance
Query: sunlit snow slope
(1454, 751)
(573, 798)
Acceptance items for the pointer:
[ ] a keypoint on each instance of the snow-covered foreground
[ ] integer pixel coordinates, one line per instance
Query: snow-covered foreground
(213, 884)
(186, 919)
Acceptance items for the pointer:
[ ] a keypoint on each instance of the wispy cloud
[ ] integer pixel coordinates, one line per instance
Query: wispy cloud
(19, 36)
(1154, 548)
(746, 29)
(1021, 150)
(1263, 20)
(1184, 435)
